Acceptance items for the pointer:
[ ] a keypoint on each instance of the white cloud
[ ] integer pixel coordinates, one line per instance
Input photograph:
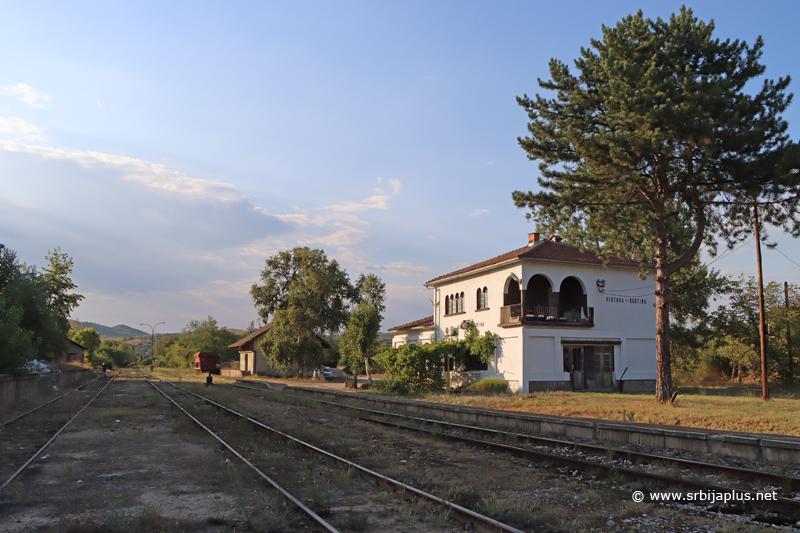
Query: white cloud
(344, 236)
(359, 261)
(376, 201)
(99, 104)
(21, 130)
(152, 175)
(25, 93)
(479, 212)
(490, 163)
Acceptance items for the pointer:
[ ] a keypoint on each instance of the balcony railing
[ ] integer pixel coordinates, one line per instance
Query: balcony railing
(547, 315)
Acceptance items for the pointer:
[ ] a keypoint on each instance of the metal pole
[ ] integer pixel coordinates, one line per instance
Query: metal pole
(762, 326)
(152, 341)
(788, 331)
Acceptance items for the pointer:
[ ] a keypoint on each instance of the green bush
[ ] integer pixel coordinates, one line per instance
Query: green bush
(391, 385)
(495, 385)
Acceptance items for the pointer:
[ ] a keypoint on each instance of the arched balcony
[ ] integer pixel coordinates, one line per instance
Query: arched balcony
(538, 304)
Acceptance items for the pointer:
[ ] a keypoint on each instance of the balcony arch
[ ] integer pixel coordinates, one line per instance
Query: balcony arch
(571, 296)
(511, 292)
(540, 293)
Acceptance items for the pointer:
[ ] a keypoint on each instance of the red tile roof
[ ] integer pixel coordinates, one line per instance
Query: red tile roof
(244, 340)
(545, 251)
(250, 337)
(421, 323)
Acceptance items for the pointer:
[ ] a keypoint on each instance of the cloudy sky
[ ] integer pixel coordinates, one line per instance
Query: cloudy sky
(170, 147)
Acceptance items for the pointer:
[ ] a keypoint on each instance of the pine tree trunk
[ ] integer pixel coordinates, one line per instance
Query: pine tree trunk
(663, 363)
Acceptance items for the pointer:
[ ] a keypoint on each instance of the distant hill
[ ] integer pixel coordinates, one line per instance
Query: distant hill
(120, 330)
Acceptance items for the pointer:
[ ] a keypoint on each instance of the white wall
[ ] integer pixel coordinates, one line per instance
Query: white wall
(623, 313)
(417, 336)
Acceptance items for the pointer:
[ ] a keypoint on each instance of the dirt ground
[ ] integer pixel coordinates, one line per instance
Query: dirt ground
(126, 465)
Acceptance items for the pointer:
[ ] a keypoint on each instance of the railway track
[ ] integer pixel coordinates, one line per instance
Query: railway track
(26, 413)
(16, 440)
(476, 521)
(616, 462)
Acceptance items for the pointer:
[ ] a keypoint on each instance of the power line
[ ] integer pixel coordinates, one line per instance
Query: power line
(784, 255)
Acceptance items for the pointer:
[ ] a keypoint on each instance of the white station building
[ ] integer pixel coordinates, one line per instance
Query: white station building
(567, 321)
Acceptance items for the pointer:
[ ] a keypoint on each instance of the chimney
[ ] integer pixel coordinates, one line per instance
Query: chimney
(533, 238)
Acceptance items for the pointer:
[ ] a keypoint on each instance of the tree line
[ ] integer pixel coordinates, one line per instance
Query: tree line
(34, 309)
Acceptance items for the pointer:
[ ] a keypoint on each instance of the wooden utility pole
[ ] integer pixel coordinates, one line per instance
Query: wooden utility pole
(788, 331)
(762, 326)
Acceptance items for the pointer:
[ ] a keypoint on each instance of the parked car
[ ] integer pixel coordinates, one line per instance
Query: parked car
(327, 375)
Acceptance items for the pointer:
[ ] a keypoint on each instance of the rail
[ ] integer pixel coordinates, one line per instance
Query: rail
(40, 450)
(482, 522)
(784, 505)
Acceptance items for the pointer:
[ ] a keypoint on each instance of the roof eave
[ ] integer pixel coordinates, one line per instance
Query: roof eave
(436, 281)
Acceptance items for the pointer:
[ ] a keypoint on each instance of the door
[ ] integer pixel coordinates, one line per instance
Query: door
(603, 366)
(573, 363)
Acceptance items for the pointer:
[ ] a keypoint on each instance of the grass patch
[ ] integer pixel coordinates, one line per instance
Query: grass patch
(493, 385)
(723, 408)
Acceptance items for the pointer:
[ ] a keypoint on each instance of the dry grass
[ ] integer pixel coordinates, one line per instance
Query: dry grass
(724, 407)
(731, 409)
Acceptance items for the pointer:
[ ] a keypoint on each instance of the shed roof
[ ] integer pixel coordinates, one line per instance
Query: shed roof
(77, 344)
(545, 250)
(252, 336)
(260, 331)
(421, 323)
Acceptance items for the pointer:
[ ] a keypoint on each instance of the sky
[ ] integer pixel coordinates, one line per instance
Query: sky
(169, 148)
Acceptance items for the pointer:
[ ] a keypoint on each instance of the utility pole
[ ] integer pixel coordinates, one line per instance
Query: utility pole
(788, 331)
(762, 326)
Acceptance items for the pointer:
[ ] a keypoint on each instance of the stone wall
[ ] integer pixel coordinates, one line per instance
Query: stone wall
(13, 388)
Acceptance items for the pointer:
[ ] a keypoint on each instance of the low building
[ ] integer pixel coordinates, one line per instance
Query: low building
(567, 321)
(422, 331)
(252, 359)
(73, 353)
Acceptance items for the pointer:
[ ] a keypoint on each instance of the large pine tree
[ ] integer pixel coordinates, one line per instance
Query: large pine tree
(657, 126)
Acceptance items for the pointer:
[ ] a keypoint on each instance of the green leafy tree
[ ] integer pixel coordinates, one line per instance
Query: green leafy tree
(307, 296)
(738, 322)
(89, 339)
(17, 345)
(119, 352)
(31, 297)
(360, 341)
(61, 298)
(656, 124)
(178, 351)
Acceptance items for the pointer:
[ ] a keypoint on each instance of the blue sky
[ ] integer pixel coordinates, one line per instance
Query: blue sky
(170, 147)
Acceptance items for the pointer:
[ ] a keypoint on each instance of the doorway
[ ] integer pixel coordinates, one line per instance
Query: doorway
(573, 363)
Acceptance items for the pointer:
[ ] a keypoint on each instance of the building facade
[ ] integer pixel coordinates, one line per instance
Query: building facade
(567, 321)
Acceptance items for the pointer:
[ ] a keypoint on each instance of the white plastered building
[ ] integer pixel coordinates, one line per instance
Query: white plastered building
(566, 320)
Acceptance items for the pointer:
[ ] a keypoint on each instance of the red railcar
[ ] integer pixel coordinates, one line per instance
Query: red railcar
(206, 362)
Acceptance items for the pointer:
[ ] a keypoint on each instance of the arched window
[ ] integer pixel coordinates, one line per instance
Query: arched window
(483, 298)
(461, 305)
(447, 305)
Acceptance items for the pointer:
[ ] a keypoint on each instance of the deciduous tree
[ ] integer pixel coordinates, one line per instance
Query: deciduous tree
(656, 124)
(306, 295)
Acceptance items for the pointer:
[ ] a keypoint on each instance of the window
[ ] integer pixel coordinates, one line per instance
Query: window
(454, 304)
(483, 298)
